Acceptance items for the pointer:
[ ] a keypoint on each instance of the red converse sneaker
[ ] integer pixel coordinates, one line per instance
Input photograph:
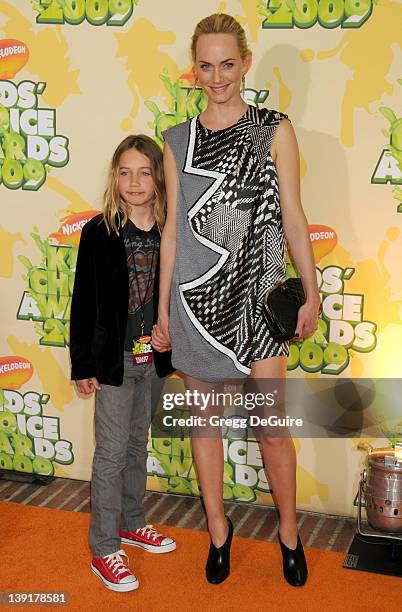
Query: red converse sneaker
(114, 573)
(149, 539)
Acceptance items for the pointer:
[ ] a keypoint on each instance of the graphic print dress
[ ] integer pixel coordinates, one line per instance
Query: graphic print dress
(229, 245)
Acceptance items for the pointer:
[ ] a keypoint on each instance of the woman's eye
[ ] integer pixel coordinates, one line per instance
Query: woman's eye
(229, 65)
(146, 173)
(204, 66)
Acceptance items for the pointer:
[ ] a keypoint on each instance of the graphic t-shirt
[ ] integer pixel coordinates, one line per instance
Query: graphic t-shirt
(142, 252)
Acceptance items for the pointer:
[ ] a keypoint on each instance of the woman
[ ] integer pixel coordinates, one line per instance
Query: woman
(233, 188)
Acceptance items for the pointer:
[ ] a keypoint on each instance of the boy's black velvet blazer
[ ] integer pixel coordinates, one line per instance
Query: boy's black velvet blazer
(99, 308)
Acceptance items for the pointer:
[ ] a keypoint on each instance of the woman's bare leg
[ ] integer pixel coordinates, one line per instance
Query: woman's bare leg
(280, 459)
(208, 456)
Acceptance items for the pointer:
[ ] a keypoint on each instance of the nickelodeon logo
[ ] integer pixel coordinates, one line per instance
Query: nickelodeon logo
(69, 231)
(323, 240)
(14, 372)
(14, 55)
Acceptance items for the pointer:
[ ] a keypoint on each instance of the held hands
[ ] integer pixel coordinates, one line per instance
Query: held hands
(307, 319)
(88, 385)
(160, 339)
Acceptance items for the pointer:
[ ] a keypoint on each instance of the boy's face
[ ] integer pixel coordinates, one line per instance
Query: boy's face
(135, 180)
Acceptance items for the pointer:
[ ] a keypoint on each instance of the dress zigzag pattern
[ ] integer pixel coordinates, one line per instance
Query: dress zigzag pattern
(240, 220)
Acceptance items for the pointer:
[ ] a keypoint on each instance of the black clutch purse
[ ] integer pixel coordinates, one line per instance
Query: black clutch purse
(281, 307)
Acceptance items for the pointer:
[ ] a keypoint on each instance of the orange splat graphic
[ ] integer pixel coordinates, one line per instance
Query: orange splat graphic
(285, 100)
(70, 228)
(309, 488)
(251, 18)
(323, 240)
(373, 279)
(61, 80)
(76, 202)
(9, 66)
(15, 371)
(379, 305)
(142, 40)
(8, 241)
(370, 63)
(285, 95)
(51, 374)
(188, 77)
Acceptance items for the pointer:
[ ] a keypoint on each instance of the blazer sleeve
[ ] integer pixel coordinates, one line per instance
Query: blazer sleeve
(83, 310)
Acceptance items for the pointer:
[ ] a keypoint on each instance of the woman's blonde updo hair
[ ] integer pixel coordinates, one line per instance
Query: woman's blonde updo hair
(220, 23)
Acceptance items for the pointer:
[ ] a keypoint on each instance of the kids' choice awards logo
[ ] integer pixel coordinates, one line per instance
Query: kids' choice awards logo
(306, 13)
(171, 462)
(342, 327)
(29, 142)
(30, 441)
(74, 12)
(389, 166)
(47, 298)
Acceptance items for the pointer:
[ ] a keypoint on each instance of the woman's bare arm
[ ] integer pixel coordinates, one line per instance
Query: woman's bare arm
(285, 153)
(160, 335)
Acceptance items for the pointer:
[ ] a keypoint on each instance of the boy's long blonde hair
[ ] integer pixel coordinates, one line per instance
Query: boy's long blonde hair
(114, 210)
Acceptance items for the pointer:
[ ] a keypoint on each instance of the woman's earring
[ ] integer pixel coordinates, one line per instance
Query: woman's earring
(194, 87)
(243, 85)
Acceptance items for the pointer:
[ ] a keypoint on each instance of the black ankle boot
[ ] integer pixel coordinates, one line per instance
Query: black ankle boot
(217, 568)
(294, 563)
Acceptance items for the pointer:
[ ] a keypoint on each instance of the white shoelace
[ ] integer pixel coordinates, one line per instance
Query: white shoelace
(116, 563)
(149, 531)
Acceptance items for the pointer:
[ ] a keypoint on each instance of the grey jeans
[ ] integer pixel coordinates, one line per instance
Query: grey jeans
(122, 419)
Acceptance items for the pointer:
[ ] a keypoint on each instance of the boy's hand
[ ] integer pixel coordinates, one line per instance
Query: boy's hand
(88, 385)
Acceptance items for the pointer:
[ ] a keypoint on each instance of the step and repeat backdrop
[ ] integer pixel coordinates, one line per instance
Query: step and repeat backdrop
(76, 77)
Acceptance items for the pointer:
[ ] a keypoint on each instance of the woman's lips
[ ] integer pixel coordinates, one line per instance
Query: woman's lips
(219, 89)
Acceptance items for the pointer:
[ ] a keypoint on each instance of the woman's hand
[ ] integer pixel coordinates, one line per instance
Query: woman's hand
(160, 335)
(307, 319)
(88, 385)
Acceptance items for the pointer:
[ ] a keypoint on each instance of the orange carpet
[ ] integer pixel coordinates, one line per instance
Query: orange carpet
(46, 550)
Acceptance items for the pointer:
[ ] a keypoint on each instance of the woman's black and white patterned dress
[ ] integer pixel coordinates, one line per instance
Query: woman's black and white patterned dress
(230, 245)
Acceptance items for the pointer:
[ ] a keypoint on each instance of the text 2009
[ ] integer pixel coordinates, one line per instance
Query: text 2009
(96, 12)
